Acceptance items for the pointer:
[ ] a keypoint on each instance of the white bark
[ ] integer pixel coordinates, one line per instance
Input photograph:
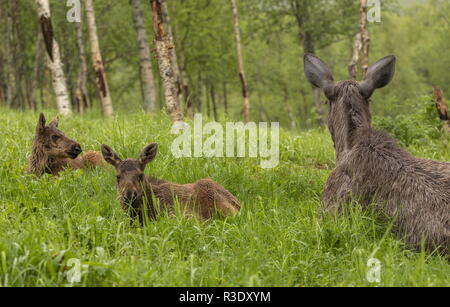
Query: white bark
(166, 66)
(97, 61)
(54, 59)
(145, 63)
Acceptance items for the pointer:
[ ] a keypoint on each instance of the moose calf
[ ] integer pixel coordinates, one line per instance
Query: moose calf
(372, 168)
(53, 151)
(202, 199)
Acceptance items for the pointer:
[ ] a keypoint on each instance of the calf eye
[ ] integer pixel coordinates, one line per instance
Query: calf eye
(55, 138)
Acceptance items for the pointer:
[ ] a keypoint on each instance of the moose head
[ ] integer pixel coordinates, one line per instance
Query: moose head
(349, 100)
(130, 172)
(53, 142)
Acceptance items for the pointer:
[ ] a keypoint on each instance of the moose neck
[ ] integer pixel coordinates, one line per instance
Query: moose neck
(349, 117)
(38, 159)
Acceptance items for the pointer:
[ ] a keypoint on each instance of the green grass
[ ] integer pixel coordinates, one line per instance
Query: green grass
(277, 239)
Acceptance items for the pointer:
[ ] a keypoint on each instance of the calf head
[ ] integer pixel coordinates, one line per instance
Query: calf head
(130, 172)
(53, 142)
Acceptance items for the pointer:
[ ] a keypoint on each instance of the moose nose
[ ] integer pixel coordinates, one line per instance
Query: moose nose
(130, 196)
(76, 149)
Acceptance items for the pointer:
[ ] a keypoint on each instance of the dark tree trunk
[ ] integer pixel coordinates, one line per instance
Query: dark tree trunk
(240, 62)
(289, 108)
(9, 57)
(81, 92)
(213, 101)
(307, 40)
(208, 100)
(225, 98)
(37, 70)
(145, 63)
(200, 92)
(442, 107)
(2, 58)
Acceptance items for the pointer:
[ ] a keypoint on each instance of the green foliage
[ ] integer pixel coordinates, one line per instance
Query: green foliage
(417, 127)
(273, 46)
(278, 239)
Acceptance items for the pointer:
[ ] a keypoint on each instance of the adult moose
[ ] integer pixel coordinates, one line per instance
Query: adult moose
(53, 151)
(372, 169)
(144, 197)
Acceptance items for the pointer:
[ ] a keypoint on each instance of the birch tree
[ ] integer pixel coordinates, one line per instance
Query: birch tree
(81, 92)
(361, 44)
(164, 45)
(54, 58)
(97, 62)
(145, 63)
(240, 61)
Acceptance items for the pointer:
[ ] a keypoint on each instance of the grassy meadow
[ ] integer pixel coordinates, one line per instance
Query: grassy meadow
(278, 239)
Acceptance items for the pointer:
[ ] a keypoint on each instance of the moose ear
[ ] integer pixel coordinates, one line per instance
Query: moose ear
(148, 154)
(318, 74)
(110, 156)
(54, 123)
(41, 123)
(379, 75)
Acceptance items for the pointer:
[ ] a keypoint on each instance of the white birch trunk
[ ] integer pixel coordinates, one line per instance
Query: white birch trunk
(54, 58)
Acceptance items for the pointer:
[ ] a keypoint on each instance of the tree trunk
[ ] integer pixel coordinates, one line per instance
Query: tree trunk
(200, 92)
(262, 111)
(361, 44)
(81, 92)
(145, 62)
(214, 102)
(164, 44)
(172, 51)
(240, 61)
(9, 57)
(442, 107)
(53, 58)
(289, 108)
(353, 67)
(308, 47)
(364, 37)
(36, 70)
(225, 98)
(2, 59)
(20, 62)
(97, 62)
(208, 100)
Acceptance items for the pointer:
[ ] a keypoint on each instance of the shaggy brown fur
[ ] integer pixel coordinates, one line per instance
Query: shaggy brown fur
(373, 169)
(53, 151)
(140, 195)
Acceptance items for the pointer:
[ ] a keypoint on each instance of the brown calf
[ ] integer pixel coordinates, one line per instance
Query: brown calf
(53, 151)
(137, 193)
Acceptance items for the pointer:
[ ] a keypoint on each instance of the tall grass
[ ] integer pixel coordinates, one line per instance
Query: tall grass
(278, 239)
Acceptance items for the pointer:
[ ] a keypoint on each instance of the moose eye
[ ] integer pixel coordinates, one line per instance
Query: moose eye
(118, 177)
(55, 138)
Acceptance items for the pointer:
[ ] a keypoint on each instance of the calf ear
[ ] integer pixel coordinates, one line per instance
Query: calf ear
(379, 75)
(318, 74)
(148, 154)
(54, 123)
(110, 156)
(41, 124)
